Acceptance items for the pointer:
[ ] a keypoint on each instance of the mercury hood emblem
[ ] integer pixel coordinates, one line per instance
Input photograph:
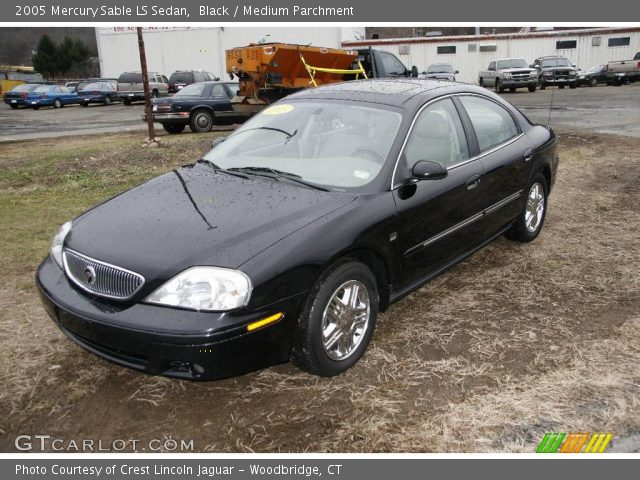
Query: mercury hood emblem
(89, 275)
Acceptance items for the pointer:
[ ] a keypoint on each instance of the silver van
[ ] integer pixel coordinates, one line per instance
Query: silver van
(130, 88)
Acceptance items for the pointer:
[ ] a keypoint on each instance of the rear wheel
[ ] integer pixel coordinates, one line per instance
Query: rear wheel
(499, 88)
(532, 88)
(57, 103)
(107, 100)
(561, 87)
(126, 101)
(512, 89)
(593, 82)
(201, 121)
(154, 94)
(337, 322)
(15, 107)
(572, 86)
(85, 104)
(481, 83)
(173, 128)
(529, 223)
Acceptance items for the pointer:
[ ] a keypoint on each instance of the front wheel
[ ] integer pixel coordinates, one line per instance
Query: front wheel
(201, 121)
(498, 87)
(13, 106)
(532, 88)
(107, 100)
(126, 101)
(57, 103)
(529, 223)
(593, 82)
(481, 83)
(337, 322)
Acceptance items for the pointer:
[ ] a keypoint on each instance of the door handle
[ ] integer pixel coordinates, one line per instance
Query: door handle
(528, 155)
(473, 182)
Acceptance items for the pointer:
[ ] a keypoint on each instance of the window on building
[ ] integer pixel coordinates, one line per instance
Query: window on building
(447, 50)
(403, 49)
(596, 41)
(488, 48)
(619, 41)
(472, 47)
(566, 44)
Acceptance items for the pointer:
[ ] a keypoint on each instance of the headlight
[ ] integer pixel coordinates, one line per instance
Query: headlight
(547, 74)
(205, 288)
(533, 74)
(507, 75)
(58, 241)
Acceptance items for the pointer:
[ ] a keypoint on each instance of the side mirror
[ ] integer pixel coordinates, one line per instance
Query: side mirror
(536, 66)
(414, 71)
(456, 72)
(217, 141)
(427, 170)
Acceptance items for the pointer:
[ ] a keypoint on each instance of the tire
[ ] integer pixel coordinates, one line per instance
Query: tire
(13, 107)
(171, 128)
(532, 88)
(542, 85)
(498, 86)
(107, 100)
(573, 86)
(523, 229)
(85, 104)
(154, 94)
(481, 83)
(201, 121)
(57, 103)
(126, 101)
(36, 107)
(561, 87)
(593, 82)
(512, 89)
(314, 353)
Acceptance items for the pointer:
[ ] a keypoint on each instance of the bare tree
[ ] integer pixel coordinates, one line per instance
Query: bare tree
(145, 82)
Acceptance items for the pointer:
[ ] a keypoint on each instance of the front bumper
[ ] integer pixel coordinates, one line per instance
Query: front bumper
(559, 80)
(519, 82)
(166, 341)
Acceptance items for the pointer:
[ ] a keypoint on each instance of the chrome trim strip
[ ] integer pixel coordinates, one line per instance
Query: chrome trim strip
(472, 219)
(109, 265)
(480, 155)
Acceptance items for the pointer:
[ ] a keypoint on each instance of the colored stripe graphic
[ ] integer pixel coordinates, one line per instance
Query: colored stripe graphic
(558, 442)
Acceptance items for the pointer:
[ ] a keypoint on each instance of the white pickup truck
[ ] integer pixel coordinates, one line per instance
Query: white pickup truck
(624, 71)
(509, 73)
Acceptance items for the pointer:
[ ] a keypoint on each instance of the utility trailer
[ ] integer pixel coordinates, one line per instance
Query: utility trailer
(270, 71)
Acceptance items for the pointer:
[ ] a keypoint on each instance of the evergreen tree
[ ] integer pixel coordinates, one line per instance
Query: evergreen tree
(45, 58)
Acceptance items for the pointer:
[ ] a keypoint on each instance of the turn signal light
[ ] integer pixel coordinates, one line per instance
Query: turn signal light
(264, 322)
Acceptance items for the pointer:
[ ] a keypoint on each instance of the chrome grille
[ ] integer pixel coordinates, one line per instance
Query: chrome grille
(101, 278)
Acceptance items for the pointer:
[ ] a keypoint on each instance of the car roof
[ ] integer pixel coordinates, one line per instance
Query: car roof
(389, 91)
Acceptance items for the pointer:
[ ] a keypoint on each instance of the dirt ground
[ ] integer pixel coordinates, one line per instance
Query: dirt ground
(516, 341)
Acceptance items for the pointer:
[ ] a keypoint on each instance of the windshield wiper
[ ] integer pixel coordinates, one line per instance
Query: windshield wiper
(273, 129)
(272, 172)
(217, 168)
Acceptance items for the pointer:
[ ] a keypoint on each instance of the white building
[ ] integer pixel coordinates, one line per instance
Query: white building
(193, 48)
(470, 54)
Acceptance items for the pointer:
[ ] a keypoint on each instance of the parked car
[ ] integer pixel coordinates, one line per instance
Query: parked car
(555, 70)
(131, 89)
(54, 96)
(511, 73)
(199, 105)
(98, 92)
(181, 78)
(440, 71)
(592, 77)
(17, 96)
(624, 71)
(85, 82)
(291, 234)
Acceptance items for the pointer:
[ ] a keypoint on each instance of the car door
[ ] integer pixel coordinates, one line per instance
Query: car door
(506, 156)
(436, 217)
(490, 81)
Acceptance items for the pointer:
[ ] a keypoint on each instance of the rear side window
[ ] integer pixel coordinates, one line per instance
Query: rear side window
(491, 122)
(437, 136)
(130, 78)
(24, 88)
(181, 77)
(218, 91)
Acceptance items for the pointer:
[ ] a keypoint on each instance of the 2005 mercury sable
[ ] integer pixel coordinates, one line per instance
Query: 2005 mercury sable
(290, 236)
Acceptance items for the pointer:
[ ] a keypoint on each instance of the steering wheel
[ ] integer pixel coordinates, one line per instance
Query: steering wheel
(375, 156)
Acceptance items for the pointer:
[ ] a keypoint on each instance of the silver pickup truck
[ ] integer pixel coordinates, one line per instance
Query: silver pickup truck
(131, 89)
(624, 71)
(509, 73)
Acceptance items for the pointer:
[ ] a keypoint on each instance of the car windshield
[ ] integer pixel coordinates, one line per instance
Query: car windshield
(132, 77)
(92, 86)
(42, 89)
(511, 63)
(440, 68)
(181, 77)
(340, 145)
(25, 88)
(555, 62)
(594, 69)
(193, 90)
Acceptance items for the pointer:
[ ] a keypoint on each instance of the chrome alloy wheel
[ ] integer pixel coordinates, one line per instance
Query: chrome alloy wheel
(534, 211)
(203, 121)
(345, 320)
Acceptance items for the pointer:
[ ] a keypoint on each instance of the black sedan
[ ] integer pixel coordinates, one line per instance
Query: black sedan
(98, 92)
(199, 105)
(288, 238)
(592, 77)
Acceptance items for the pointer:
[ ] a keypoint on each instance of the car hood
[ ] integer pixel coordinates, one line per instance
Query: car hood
(553, 69)
(512, 70)
(195, 216)
(439, 75)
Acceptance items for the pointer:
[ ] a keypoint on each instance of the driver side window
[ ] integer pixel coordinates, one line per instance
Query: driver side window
(437, 136)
